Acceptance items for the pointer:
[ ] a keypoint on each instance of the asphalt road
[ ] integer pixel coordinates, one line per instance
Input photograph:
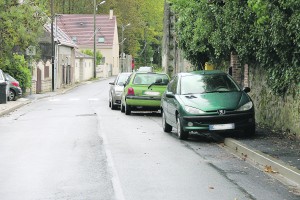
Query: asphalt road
(72, 146)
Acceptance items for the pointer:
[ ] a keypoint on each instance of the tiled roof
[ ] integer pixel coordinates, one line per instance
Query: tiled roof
(80, 28)
(62, 37)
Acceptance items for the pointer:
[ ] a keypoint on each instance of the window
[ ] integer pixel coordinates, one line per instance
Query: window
(74, 39)
(101, 40)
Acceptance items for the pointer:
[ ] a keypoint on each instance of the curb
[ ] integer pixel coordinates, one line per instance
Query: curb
(264, 161)
(11, 109)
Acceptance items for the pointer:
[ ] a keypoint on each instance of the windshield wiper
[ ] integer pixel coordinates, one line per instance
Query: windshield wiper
(155, 84)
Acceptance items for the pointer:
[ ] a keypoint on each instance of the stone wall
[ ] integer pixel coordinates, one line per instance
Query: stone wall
(278, 113)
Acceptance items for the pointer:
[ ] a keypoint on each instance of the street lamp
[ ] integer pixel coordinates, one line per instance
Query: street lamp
(95, 8)
(122, 47)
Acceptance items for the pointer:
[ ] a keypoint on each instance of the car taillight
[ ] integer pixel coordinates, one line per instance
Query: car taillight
(130, 91)
(15, 84)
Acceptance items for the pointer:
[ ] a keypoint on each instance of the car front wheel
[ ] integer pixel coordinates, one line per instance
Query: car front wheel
(181, 134)
(113, 107)
(166, 127)
(250, 132)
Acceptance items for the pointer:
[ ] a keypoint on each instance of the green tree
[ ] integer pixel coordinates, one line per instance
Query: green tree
(91, 53)
(21, 24)
(263, 33)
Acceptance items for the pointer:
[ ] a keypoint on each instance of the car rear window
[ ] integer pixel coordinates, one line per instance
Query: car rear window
(149, 78)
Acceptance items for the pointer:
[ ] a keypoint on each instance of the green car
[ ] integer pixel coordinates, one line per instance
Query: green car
(204, 101)
(143, 91)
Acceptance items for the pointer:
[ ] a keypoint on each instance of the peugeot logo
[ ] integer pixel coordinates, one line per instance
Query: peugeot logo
(221, 112)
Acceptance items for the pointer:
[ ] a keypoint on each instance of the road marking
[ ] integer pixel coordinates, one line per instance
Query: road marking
(74, 99)
(93, 99)
(115, 177)
(54, 99)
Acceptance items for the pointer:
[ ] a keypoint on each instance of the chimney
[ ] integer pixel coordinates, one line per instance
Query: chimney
(111, 13)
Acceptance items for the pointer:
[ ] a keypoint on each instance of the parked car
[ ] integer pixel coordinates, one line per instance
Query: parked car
(14, 88)
(145, 69)
(3, 88)
(206, 101)
(116, 90)
(142, 92)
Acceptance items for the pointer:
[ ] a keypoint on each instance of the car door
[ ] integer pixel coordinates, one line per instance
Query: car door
(172, 102)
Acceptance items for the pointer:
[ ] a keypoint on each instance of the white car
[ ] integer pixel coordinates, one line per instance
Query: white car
(145, 69)
(116, 90)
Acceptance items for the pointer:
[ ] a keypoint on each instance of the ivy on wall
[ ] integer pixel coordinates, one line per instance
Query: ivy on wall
(264, 33)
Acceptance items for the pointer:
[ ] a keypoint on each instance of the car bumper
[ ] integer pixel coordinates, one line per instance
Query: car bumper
(238, 121)
(18, 91)
(117, 99)
(143, 101)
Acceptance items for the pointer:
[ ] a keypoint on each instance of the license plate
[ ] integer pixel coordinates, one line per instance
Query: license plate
(152, 93)
(221, 126)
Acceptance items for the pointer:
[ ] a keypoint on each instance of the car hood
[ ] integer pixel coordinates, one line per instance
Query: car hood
(215, 101)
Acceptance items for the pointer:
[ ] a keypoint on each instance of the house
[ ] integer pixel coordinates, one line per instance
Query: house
(64, 65)
(80, 28)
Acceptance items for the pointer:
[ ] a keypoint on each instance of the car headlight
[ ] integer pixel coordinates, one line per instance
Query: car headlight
(245, 107)
(192, 110)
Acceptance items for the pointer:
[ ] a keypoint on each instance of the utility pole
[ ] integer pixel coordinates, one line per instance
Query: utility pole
(95, 33)
(95, 39)
(52, 43)
(122, 47)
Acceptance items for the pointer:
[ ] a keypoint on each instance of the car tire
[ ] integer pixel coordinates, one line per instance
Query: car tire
(122, 108)
(166, 127)
(181, 134)
(113, 107)
(250, 132)
(127, 109)
(12, 95)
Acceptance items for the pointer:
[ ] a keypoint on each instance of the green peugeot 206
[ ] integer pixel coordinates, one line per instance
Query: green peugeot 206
(205, 101)
(143, 91)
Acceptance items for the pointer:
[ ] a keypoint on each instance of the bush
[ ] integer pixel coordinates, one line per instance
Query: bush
(18, 68)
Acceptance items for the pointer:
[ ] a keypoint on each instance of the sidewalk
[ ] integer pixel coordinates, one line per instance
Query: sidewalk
(275, 154)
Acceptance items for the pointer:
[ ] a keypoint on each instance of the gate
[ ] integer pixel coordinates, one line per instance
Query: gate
(39, 81)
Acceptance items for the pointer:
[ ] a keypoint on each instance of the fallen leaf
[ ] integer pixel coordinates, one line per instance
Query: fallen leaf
(269, 169)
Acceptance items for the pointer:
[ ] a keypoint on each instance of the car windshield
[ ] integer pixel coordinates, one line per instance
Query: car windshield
(150, 78)
(122, 78)
(207, 83)
(1, 76)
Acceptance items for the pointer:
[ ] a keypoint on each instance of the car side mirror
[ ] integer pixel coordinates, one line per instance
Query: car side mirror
(170, 95)
(111, 83)
(246, 89)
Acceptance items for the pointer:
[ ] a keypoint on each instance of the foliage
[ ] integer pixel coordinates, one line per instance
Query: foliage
(18, 68)
(263, 33)
(91, 53)
(20, 26)
(143, 36)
